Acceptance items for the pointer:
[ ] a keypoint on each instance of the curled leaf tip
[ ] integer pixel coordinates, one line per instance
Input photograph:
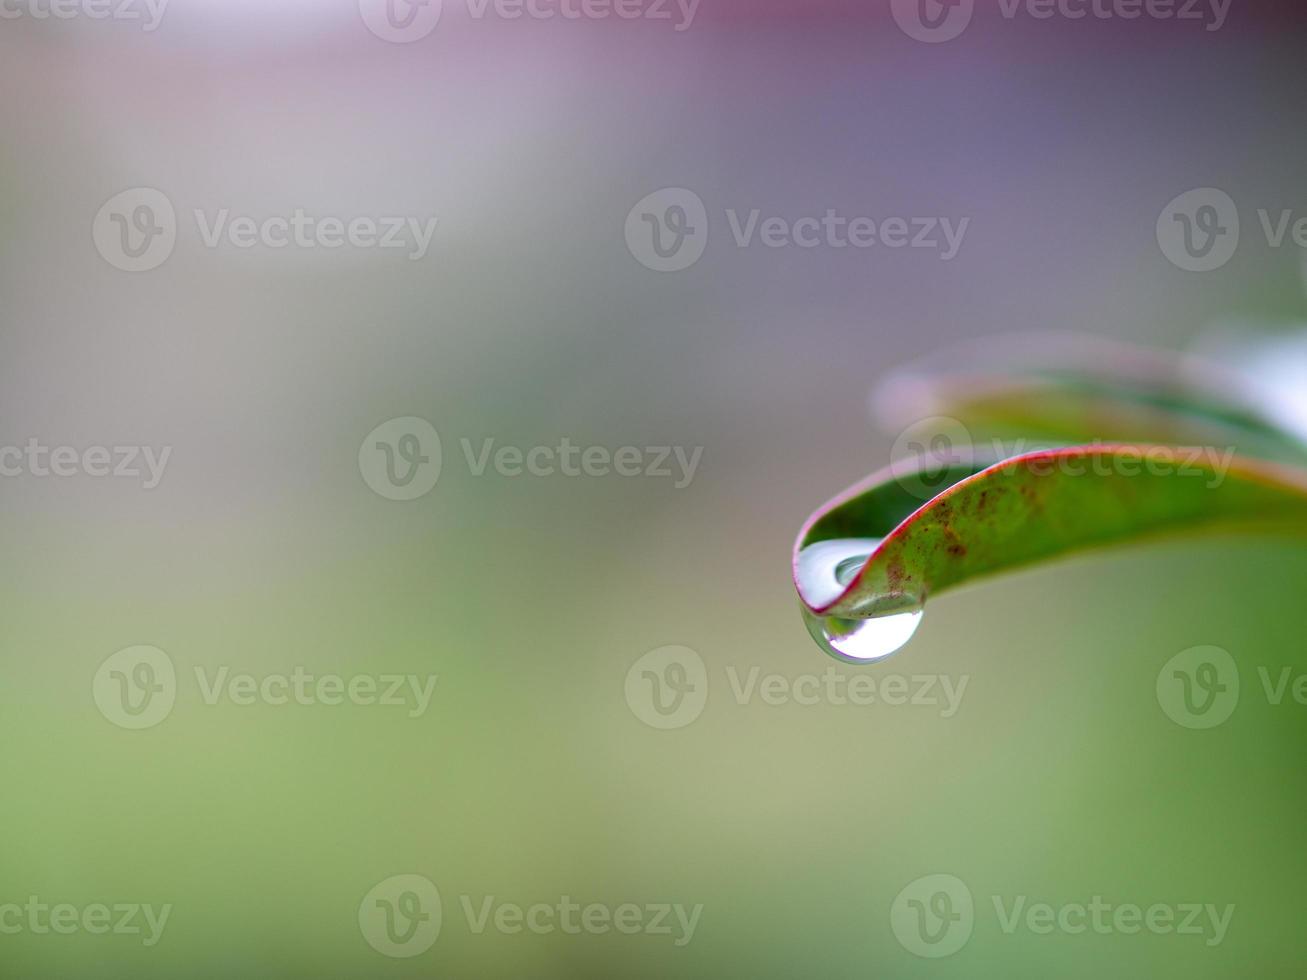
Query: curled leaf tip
(903, 536)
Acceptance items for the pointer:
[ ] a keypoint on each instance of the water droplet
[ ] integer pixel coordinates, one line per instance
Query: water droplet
(863, 641)
(847, 570)
(826, 568)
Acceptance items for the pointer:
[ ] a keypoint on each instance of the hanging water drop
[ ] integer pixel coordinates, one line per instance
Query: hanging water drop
(863, 641)
(825, 570)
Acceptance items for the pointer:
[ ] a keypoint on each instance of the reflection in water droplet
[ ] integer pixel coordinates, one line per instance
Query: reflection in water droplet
(826, 568)
(847, 570)
(863, 641)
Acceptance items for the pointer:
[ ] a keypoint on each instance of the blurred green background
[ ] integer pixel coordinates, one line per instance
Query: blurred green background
(531, 776)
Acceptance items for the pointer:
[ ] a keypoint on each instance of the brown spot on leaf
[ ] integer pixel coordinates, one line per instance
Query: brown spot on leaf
(895, 574)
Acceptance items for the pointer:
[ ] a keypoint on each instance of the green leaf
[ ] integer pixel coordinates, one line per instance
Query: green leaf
(1077, 390)
(1030, 508)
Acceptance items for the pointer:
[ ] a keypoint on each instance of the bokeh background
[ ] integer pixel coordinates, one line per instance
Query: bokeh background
(531, 777)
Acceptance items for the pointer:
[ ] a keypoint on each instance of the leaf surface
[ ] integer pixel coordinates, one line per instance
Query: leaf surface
(1022, 510)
